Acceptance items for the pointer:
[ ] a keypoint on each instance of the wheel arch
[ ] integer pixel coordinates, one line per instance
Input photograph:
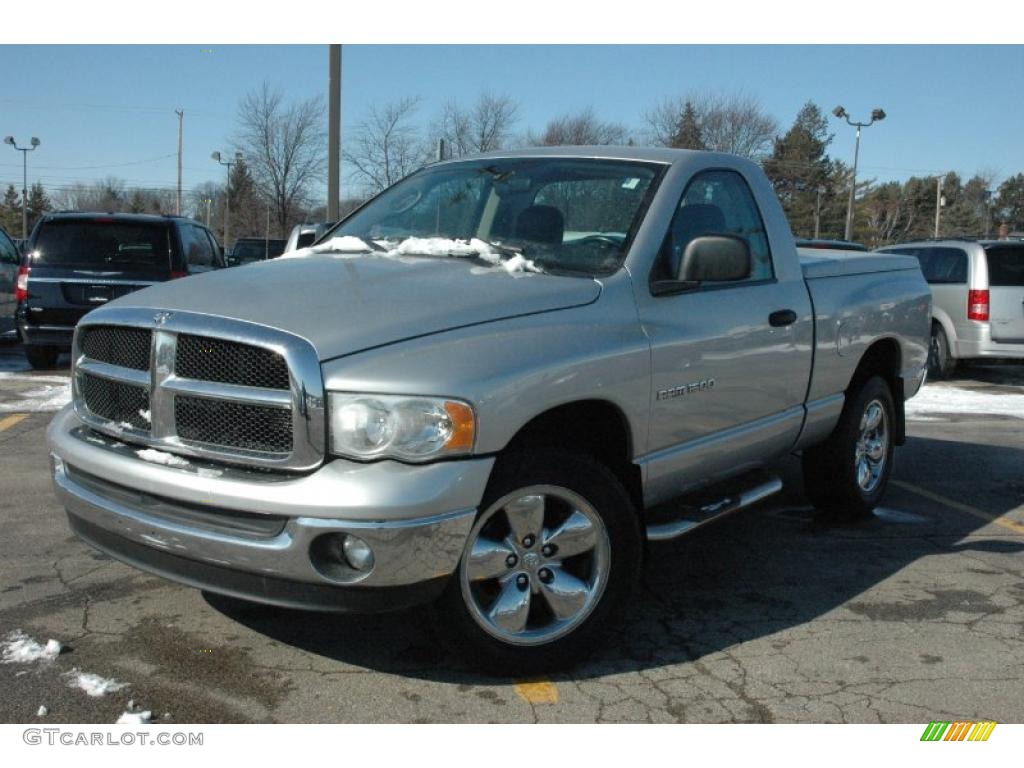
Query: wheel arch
(595, 427)
(883, 358)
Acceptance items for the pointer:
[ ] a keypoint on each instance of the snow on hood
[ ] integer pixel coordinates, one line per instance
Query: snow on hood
(348, 246)
(346, 302)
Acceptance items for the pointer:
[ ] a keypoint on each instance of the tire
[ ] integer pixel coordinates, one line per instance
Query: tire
(941, 362)
(583, 508)
(846, 476)
(42, 358)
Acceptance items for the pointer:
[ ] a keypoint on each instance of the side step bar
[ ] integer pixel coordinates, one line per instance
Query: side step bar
(694, 517)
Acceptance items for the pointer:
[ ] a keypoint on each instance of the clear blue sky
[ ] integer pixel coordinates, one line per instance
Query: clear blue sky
(108, 110)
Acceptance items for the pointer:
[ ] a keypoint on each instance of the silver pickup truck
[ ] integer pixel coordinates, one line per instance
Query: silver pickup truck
(489, 388)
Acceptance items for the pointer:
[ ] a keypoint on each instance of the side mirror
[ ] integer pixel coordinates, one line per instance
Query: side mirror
(715, 258)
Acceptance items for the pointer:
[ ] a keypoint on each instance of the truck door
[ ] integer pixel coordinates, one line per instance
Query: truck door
(730, 360)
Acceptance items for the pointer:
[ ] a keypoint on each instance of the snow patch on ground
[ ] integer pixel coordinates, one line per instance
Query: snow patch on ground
(936, 399)
(94, 685)
(43, 711)
(159, 457)
(19, 648)
(135, 718)
(204, 472)
(49, 393)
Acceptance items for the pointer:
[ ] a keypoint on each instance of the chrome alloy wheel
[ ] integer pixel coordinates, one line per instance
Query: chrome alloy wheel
(872, 447)
(536, 565)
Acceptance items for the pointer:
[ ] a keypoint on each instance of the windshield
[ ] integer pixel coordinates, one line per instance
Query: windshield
(562, 214)
(99, 244)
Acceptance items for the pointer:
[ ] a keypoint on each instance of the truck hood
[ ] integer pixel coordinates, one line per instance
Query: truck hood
(344, 305)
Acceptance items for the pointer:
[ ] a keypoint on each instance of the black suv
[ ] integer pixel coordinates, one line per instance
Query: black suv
(75, 262)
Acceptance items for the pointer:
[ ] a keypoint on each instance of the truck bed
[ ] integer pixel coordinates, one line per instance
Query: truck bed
(817, 265)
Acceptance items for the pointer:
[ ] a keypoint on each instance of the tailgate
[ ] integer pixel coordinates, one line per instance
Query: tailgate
(1006, 292)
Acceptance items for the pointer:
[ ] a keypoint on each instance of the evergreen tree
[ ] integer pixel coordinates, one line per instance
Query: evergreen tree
(799, 167)
(38, 204)
(688, 134)
(1009, 203)
(10, 211)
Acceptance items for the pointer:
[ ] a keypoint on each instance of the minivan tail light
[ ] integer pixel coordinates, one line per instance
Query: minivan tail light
(176, 275)
(21, 286)
(977, 305)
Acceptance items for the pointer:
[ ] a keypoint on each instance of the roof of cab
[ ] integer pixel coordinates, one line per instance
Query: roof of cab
(664, 155)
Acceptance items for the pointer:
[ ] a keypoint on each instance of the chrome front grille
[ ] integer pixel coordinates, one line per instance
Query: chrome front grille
(211, 387)
(206, 359)
(125, 347)
(233, 425)
(125, 405)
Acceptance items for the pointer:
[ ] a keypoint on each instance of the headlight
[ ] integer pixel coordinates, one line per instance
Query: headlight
(399, 427)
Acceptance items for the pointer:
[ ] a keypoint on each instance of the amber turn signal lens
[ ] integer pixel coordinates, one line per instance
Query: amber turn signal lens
(463, 426)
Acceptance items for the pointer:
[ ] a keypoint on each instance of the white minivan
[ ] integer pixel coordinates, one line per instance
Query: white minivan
(977, 299)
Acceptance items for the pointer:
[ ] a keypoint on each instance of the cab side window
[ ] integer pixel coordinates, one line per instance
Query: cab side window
(716, 203)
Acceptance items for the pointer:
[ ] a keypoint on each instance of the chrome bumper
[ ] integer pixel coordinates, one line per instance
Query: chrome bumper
(415, 518)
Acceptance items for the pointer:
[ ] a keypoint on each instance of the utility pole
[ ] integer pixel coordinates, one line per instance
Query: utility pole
(24, 179)
(266, 242)
(938, 204)
(181, 118)
(227, 192)
(208, 201)
(333, 131)
(440, 150)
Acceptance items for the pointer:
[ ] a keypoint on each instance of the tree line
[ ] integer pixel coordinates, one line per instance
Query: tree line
(283, 149)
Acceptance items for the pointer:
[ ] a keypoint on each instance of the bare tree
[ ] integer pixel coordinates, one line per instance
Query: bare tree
(484, 126)
(581, 129)
(285, 147)
(386, 146)
(734, 123)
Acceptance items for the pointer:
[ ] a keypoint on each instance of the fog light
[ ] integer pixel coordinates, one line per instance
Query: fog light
(357, 553)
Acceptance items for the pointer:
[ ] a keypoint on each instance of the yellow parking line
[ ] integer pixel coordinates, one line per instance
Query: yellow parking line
(537, 691)
(10, 421)
(1002, 520)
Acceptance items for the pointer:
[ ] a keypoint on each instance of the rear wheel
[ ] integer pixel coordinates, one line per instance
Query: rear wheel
(41, 358)
(846, 476)
(941, 362)
(548, 565)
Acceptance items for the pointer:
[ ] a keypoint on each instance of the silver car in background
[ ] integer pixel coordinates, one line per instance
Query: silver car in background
(977, 299)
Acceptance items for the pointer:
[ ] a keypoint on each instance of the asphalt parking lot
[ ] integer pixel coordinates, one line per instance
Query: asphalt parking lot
(767, 616)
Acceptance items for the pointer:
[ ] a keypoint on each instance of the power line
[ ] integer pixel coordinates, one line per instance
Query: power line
(94, 167)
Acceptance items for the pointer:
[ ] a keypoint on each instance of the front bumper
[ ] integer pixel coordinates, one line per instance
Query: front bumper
(258, 535)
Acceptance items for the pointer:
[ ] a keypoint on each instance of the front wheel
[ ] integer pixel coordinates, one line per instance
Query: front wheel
(846, 476)
(549, 563)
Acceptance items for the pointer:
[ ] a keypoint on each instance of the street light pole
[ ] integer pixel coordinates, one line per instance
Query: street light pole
(876, 115)
(227, 192)
(24, 179)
